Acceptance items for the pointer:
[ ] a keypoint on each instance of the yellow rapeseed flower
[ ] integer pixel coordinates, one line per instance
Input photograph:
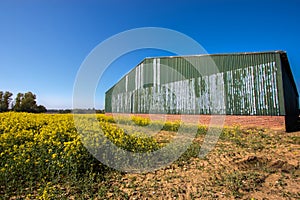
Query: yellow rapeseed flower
(54, 155)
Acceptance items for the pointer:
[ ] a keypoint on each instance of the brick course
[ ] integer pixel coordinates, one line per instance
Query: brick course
(270, 122)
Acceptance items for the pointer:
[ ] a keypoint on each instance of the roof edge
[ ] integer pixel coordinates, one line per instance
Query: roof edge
(218, 54)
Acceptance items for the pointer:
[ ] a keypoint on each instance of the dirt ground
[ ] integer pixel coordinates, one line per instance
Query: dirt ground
(254, 164)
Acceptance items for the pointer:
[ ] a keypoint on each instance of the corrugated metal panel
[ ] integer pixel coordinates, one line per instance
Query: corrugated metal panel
(244, 84)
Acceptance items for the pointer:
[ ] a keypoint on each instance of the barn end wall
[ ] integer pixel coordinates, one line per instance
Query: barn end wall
(291, 96)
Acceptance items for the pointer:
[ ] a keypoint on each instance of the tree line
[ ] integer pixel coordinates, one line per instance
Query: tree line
(24, 102)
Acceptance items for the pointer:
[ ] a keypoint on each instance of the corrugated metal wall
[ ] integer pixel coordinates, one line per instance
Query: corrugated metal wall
(291, 96)
(244, 84)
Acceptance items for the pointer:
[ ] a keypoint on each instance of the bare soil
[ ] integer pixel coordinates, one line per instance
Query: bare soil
(253, 164)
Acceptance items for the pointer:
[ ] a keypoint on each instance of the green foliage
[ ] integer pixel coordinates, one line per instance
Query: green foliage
(36, 149)
(171, 126)
(140, 121)
(5, 100)
(27, 103)
(134, 142)
(239, 182)
(191, 152)
(23, 103)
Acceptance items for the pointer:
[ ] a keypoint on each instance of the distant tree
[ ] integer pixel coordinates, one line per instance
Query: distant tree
(5, 101)
(40, 109)
(18, 100)
(1, 101)
(100, 111)
(27, 103)
(64, 111)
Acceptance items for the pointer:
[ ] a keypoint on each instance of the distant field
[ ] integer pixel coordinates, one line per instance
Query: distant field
(42, 156)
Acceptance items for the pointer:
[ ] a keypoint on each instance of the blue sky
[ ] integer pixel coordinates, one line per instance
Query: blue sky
(43, 43)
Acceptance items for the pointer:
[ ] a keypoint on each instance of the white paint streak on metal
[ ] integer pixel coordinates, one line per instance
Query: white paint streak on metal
(135, 79)
(154, 72)
(138, 76)
(220, 98)
(264, 81)
(126, 83)
(252, 95)
(158, 71)
(142, 74)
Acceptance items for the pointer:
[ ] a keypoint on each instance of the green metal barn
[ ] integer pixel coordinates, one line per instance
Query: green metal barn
(233, 84)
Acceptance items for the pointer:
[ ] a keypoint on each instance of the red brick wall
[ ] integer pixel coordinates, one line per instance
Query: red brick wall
(271, 122)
